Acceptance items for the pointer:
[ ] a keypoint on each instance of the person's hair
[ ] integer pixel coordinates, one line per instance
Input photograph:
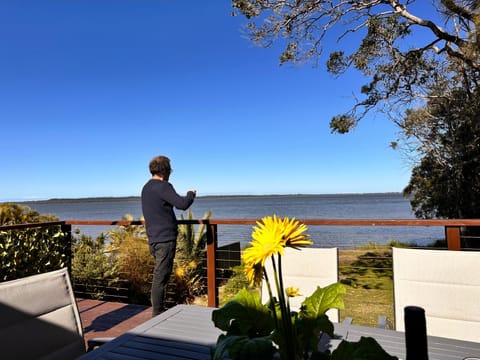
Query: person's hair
(160, 165)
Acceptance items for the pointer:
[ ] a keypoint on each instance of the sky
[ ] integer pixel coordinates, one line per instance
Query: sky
(92, 90)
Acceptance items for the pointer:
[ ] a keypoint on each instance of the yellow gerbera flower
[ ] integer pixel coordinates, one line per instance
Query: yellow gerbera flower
(259, 252)
(270, 237)
(267, 241)
(253, 273)
(292, 291)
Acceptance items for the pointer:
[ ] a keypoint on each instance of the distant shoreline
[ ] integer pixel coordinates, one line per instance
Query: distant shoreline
(137, 198)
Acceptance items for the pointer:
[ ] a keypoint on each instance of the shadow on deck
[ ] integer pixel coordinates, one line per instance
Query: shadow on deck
(110, 319)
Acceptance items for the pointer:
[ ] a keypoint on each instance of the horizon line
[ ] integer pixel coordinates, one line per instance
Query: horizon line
(134, 197)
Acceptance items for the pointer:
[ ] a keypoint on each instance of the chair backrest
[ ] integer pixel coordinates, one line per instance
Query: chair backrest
(446, 284)
(39, 318)
(306, 269)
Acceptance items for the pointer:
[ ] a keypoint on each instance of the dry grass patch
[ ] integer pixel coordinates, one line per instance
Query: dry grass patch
(364, 306)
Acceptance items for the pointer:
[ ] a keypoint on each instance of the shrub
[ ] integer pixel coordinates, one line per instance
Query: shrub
(189, 276)
(135, 264)
(93, 268)
(235, 283)
(25, 252)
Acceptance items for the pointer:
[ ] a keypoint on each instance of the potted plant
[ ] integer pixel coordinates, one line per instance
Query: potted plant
(273, 331)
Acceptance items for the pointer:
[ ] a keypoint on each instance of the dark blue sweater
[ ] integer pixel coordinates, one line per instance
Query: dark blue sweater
(158, 199)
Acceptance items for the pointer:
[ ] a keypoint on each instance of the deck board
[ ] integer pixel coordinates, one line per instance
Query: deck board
(110, 319)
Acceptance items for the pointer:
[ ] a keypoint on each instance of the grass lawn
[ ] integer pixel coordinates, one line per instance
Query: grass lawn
(367, 277)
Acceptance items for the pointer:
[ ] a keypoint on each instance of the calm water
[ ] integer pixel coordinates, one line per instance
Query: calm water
(351, 206)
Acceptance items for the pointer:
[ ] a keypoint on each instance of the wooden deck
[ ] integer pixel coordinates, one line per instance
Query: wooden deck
(110, 319)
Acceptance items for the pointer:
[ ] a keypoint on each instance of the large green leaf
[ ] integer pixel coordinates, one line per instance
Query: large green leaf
(323, 299)
(366, 348)
(243, 348)
(312, 320)
(244, 315)
(309, 330)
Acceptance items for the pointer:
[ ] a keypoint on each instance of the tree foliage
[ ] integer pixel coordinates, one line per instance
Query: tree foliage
(14, 214)
(446, 182)
(403, 55)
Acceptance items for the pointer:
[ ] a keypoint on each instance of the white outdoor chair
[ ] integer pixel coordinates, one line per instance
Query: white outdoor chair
(39, 318)
(306, 269)
(446, 284)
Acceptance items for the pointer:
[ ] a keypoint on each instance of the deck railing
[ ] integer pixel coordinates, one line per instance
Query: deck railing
(452, 231)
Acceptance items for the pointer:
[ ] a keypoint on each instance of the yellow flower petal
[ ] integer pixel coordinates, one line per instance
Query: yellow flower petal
(293, 233)
(253, 273)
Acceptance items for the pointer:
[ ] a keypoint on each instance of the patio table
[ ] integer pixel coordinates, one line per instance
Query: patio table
(187, 332)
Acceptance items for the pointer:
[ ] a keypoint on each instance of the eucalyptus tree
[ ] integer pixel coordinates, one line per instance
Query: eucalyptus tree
(403, 55)
(446, 181)
(421, 62)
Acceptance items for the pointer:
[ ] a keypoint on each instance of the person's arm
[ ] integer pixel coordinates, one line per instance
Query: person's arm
(178, 201)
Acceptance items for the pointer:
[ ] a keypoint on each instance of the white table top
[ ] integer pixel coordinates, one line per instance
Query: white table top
(188, 332)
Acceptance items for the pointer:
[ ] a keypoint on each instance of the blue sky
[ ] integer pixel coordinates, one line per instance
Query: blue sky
(91, 90)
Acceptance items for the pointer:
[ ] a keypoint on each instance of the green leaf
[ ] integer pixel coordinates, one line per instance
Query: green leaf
(244, 315)
(243, 348)
(323, 299)
(312, 320)
(309, 330)
(366, 348)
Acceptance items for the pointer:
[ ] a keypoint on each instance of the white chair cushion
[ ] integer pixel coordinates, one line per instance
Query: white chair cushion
(306, 269)
(446, 284)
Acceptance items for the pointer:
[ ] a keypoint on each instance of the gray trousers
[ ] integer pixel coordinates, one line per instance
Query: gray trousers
(164, 253)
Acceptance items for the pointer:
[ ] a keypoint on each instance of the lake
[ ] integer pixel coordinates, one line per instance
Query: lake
(338, 206)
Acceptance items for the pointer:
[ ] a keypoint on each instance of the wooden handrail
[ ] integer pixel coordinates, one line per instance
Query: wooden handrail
(30, 225)
(324, 222)
(361, 222)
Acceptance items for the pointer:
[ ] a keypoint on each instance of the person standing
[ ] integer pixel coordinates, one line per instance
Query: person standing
(158, 200)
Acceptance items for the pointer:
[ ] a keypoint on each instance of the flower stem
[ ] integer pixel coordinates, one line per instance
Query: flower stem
(270, 295)
(285, 311)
